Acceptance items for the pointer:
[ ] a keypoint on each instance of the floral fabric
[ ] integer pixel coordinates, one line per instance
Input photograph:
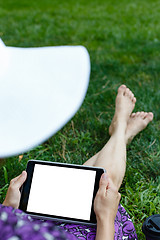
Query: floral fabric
(16, 225)
(124, 228)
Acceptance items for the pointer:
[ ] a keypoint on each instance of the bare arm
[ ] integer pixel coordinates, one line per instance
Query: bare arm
(105, 207)
(105, 230)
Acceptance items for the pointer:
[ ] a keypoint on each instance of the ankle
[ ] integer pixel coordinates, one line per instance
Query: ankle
(120, 128)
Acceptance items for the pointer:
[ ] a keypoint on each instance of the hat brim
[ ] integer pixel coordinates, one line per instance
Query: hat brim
(41, 90)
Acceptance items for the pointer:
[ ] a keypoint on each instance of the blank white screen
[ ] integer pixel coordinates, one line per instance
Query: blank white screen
(61, 191)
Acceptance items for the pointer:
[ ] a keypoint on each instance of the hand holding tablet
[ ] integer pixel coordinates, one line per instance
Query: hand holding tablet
(60, 191)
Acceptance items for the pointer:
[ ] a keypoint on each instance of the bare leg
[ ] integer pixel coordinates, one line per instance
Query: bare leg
(113, 156)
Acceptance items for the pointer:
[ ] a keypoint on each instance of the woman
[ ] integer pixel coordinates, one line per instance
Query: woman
(111, 224)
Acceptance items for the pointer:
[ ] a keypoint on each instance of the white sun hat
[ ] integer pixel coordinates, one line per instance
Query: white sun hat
(40, 91)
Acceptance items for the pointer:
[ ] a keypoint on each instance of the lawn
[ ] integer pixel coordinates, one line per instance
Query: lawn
(123, 40)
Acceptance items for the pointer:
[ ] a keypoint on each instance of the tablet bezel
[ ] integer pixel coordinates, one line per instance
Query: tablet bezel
(27, 186)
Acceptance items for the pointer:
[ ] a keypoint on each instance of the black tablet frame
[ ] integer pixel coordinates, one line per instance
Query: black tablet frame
(27, 186)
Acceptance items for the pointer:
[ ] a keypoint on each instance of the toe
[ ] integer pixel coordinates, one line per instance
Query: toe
(142, 114)
(132, 95)
(137, 114)
(122, 89)
(134, 100)
(150, 116)
(133, 115)
(129, 93)
(145, 115)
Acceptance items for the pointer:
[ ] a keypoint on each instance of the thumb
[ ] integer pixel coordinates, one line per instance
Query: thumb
(103, 184)
(21, 179)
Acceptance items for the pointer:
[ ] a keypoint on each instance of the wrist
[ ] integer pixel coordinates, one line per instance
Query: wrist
(106, 223)
(105, 229)
(106, 220)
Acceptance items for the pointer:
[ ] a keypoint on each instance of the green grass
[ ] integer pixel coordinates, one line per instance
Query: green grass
(123, 39)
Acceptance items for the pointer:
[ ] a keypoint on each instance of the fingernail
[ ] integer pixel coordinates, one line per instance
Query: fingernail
(104, 176)
(23, 173)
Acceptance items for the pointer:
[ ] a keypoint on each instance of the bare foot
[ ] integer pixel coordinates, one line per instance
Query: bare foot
(125, 102)
(137, 122)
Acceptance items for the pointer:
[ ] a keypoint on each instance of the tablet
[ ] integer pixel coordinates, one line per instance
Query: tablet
(61, 192)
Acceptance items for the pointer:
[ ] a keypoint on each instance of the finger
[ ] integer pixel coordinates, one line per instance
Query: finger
(112, 186)
(103, 184)
(20, 180)
(15, 179)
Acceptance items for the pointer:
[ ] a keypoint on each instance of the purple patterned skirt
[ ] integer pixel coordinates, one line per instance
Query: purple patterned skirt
(16, 225)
